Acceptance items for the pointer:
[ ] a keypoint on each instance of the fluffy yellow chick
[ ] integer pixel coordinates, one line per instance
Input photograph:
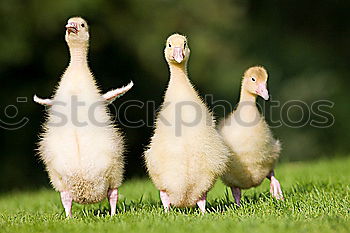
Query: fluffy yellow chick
(80, 147)
(186, 154)
(254, 150)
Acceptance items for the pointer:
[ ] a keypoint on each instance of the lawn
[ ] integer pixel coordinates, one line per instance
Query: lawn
(317, 199)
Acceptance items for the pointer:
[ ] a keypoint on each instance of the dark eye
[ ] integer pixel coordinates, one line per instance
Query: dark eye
(185, 44)
(169, 45)
(82, 25)
(253, 79)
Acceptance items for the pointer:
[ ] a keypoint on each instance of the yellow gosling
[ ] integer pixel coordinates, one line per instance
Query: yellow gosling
(186, 154)
(245, 131)
(81, 147)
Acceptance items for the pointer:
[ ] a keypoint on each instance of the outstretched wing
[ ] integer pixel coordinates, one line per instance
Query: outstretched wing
(46, 102)
(109, 96)
(113, 94)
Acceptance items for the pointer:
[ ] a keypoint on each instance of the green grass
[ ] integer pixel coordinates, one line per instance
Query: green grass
(317, 199)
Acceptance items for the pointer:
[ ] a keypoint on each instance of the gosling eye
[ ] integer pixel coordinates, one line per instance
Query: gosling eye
(169, 45)
(185, 44)
(253, 79)
(82, 25)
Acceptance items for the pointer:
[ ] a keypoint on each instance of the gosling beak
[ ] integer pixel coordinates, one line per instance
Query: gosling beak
(262, 91)
(178, 54)
(72, 27)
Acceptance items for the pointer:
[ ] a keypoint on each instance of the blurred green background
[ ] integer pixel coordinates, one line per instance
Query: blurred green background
(303, 44)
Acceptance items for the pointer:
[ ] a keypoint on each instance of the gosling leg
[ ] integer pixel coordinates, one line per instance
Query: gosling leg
(236, 193)
(67, 200)
(201, 203)
(275, 187)
(164, 197)
(113, 199)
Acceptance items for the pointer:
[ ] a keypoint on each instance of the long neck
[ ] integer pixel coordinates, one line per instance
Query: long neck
(178, 75)
(178, 72)
(246, 96)
(247, 109)
(78, 55)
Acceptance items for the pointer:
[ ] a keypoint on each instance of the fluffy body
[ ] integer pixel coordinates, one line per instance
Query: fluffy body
(254, 151)
(186, 154)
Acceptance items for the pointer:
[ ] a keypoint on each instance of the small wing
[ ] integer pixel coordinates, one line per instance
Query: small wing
(277, 147)
(46, 102)
(113, 94)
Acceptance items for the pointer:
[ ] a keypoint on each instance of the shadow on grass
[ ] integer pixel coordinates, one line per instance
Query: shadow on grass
(214, 206)
(218, 205)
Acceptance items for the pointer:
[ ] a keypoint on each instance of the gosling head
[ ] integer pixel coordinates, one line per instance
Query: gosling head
(255, 81)
(77, 31)
(176, 50)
